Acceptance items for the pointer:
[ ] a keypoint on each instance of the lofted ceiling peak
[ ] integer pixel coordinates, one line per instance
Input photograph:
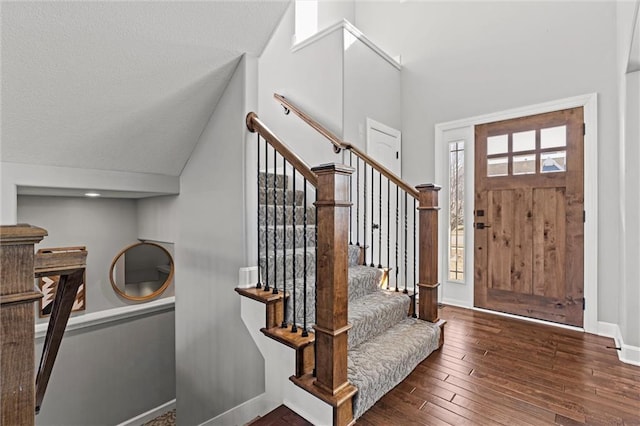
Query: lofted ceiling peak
(125, 86)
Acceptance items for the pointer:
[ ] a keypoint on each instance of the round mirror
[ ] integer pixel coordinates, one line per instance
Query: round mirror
(141, 271)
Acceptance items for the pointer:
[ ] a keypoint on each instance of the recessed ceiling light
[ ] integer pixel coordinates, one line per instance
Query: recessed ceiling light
(92, 194)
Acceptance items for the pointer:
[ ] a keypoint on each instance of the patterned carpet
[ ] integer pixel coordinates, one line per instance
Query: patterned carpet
(167, 419)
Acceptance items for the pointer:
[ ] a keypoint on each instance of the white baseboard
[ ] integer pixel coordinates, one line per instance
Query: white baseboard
(150, 415)
(456, 302)
(627, 353)
(243, 413)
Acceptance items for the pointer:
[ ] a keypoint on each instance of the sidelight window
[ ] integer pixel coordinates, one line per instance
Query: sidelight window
(456, 211)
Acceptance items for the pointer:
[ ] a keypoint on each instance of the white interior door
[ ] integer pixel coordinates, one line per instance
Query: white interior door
(384, 145)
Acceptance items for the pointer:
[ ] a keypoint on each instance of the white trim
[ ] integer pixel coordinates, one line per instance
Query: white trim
(111, 315)
(590, 103)
(627, 353)
(346, 25)
(243, 413)
(150, 415)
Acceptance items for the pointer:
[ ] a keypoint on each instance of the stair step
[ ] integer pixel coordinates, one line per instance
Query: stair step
(281, 261)
(294, 235)
(282, 213)
(303, 345)
(363, 280)
(374, 313)
(280, 195)
(274, 308)
(381, 363)
(354, 253)
(282, 181)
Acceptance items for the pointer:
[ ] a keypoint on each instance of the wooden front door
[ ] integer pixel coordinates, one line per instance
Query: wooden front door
(529, 216)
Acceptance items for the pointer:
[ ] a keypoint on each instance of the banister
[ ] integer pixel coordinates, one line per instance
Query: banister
(339, 143)
(254, 124)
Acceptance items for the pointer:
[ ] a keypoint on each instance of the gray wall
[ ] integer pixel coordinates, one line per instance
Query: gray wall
(128, 364)
(108, 374)
(217, 363)
(104, 225)
(466, 59)
(312, 78)
(629, 172)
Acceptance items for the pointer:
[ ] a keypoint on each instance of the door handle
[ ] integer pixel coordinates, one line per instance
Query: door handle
(375, 226)
(481, 225)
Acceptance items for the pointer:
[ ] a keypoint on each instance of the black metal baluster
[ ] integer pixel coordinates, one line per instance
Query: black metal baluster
(379, 220)
(388, 231)
(372, 210)
(266, 217)
(364, 217)
(357, 201)
(284, 243)
(304, 263)
(414, 259)
(259, 283)
(294, 327)
(405, 291)
(275, 224)
(350, 202)
(397, 234)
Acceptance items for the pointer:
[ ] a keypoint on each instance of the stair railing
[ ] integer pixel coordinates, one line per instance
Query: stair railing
(411, 250)
(273, 218)
(331, 182)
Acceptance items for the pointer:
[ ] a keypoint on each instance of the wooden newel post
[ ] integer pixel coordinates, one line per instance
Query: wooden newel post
(17, 295)
(332, 287)
(428, 252)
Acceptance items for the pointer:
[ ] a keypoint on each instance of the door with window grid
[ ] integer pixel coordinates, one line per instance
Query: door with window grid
(529, 207)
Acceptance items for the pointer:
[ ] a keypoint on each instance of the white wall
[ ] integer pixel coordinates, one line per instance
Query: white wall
(630, 307)
(312, 78)
(157, 218)
(217, 363)
(104, 226)
(371, 89)
(629, 174)
(473, 58)
(13, 175)
(108, 374)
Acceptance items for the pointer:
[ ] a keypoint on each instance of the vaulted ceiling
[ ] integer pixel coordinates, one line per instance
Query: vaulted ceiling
(125, 86)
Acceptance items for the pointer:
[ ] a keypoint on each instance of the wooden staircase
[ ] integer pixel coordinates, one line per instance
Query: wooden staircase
(322, 348)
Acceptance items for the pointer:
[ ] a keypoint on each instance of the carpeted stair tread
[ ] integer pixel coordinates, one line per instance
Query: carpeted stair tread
(354, 254)
(294, 234)
(275, 259)
(363, 280)
(379, 364)
(286, 212)
(374, 313)
(282, 181)
(280, 195)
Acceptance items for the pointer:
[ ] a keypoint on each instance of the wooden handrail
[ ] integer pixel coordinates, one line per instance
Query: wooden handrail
(339, 143)
(254, 124)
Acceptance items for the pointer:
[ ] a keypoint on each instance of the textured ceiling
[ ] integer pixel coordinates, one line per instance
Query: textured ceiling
(125, 86)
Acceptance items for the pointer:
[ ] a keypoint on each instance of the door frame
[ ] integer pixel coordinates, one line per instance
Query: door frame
(464, 128)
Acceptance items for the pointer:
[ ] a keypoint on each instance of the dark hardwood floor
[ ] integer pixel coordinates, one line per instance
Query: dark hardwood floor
(498, 370)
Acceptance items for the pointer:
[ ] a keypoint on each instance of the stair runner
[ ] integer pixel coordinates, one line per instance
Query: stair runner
(385, 344)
